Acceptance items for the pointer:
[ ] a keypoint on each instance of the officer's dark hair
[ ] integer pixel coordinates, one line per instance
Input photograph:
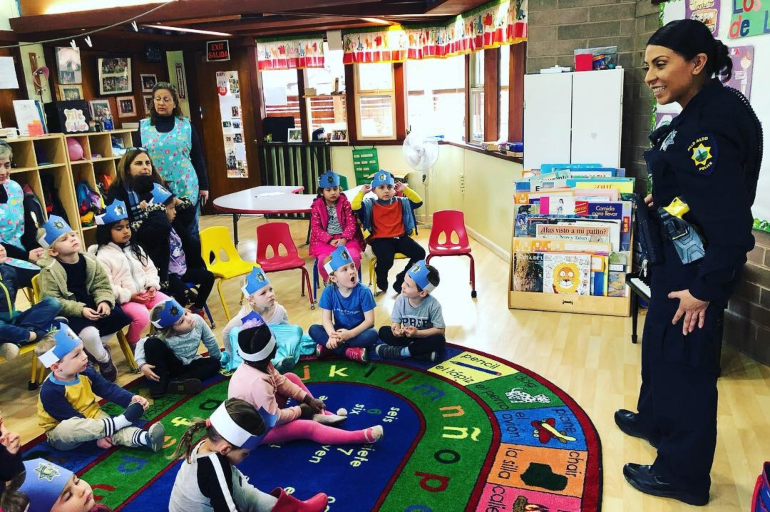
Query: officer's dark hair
(688, 38)
(433, 277)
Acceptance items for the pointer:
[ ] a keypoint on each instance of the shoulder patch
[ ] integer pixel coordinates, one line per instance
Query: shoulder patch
(703, 152)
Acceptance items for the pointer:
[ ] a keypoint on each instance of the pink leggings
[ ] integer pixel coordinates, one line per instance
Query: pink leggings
(140, 316)
(309, 429)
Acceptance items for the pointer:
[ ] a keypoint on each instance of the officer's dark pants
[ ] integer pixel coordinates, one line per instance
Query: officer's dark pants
(678, 399)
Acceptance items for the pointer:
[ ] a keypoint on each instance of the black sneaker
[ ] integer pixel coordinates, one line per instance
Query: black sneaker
(388, 351)
(430, 356)
(108, 369)
(184, 386)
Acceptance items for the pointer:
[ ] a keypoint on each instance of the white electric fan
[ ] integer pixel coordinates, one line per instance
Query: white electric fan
(421, 153)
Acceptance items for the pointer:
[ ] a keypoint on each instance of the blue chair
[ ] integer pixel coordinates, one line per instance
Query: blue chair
(316, 279)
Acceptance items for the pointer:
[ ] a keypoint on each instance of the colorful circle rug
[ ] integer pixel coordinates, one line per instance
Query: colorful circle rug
(473, 433)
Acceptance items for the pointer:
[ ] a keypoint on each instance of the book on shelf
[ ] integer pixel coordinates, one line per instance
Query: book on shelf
(599, 275)
(524, 244)
(567, 273)
(616, 286)
(574, 232)
(527, 272)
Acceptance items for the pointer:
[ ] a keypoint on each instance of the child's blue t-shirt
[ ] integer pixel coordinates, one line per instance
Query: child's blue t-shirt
(347, 312)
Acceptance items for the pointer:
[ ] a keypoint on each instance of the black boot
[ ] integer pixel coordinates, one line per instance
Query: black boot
(629, 423)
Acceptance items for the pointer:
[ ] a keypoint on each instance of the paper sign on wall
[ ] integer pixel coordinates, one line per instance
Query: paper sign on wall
(229, 89)
(217, 50)
(706, 11)
(743, 68)
(749, 18)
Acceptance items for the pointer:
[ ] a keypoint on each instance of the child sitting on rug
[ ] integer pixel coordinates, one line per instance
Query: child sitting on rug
(390, 222)
(131, 272)
(83, 289)
(170, 358)
(46, 487)
(332, 223)
(259, 298)
(67, 406)
(347, 309)
(417, 328)
(257, 382)
(208, 479)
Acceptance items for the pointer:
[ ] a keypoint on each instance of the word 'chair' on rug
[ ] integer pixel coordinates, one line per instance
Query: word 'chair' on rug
(216, 243)
(447, 222)
(273, 236)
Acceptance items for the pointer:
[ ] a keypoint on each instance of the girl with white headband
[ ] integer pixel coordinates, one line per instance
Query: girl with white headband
(208, 480)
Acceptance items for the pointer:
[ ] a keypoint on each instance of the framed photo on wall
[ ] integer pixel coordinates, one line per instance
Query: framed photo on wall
(114, 75)
(148, 82)
(70, 92)
(68, 65)
(147, 103)
(295, 135)
(126, 106)
(100, 109)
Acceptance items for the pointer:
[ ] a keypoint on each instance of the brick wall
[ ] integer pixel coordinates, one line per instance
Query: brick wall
(558, 27)
(747, 319)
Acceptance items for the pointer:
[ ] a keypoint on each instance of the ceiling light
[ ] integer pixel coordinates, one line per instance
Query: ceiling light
(190, 30)
(65, 6)
(377, 21)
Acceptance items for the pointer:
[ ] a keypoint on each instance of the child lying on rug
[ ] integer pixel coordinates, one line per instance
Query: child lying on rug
(417, 328)
(208, 479)
(170, 358)
(259, 297)
(67, 407)
(45, 487)
(258, 382)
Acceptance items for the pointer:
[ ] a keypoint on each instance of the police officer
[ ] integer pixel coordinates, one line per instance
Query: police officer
(709, 156)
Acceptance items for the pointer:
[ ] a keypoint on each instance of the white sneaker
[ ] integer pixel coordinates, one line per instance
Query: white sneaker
(9, 351)
(374, 434)
(331, 420)
(342, 411)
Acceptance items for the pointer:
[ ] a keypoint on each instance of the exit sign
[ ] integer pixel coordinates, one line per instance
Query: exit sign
(217, 50)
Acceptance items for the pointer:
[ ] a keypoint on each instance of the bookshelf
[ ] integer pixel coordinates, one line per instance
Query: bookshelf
(39, 158)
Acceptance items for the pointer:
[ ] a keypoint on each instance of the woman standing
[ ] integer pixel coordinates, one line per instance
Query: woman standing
(709, 157)
(175, 149)
(12, 221)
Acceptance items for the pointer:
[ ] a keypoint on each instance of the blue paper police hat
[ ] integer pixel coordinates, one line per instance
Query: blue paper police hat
(329, 179)
(66, 341)
(255, 281)
(160, 194)
(419, 272)
(114, 212)
(171, 313)
(382, 177)
(43, 484)
(54, 228)
(340, 257)
(237, 435)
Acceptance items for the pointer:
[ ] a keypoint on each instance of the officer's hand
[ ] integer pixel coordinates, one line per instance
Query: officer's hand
(648, 201)
(694, 311)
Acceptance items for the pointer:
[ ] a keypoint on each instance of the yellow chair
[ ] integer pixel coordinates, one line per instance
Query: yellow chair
(122, 341)
(214, 242)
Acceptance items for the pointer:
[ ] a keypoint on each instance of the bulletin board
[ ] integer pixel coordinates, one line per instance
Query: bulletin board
(730, 34)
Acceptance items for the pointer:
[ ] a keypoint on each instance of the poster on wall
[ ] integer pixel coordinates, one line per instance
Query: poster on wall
(706, 11)
(743, 58)
(229, 90)
(749, 18)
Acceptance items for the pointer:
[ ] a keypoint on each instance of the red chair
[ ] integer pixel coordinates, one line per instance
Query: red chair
(274, 235)
(447, 222)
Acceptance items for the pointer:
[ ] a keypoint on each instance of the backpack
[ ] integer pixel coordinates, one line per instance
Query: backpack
(89, 203)
(33, 218)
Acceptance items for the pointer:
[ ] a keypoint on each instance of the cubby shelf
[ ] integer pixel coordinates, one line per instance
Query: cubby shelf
(47, 155)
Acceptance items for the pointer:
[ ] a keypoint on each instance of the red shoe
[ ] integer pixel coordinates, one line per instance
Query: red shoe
(357, 354)
(288, 503)
(324, 353)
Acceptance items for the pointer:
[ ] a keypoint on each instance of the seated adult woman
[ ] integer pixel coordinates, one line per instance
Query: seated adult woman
(12, 227)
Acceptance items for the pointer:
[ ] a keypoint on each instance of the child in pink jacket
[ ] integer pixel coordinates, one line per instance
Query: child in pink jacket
(133, 275)
(332, 223)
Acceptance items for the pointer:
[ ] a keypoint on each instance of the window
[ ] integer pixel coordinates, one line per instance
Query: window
(326, 108)
(375, 101)
(505, 75)
(436, 106)
(477, 96)
(281, 96)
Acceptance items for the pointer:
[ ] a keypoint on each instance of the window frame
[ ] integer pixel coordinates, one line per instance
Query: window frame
(392, 93)
(474, 89)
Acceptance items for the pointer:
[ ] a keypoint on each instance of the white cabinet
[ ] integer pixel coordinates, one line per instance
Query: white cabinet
(573, 118)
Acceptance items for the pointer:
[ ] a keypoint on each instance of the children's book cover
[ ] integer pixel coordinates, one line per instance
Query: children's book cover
(617, 284)
(527, 272)
(567, 273)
